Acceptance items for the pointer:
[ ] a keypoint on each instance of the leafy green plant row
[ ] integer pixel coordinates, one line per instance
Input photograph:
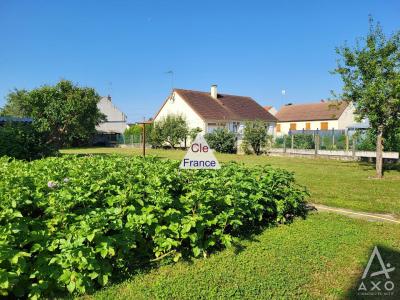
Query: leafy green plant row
(72, 224)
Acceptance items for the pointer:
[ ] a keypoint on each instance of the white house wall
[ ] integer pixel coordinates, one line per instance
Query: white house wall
(116, 120)
(177, 106)
(314, 125)
(229, 125)
(347, 118)
(112, 127)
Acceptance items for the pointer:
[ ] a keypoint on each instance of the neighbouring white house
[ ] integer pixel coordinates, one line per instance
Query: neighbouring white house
(211, 110)
(325, 115)
(109, 131)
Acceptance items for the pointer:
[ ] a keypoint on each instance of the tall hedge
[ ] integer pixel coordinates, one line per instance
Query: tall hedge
(22, 141)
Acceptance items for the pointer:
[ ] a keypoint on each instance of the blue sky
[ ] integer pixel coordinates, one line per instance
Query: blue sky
(124, 48)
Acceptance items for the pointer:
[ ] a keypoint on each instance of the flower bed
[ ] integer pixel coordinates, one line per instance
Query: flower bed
(72, 223)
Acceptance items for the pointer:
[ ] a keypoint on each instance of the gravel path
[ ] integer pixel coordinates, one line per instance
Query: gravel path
(373, 217)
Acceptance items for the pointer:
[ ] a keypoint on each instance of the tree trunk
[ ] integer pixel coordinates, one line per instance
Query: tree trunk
(379, 150)
(171, 144)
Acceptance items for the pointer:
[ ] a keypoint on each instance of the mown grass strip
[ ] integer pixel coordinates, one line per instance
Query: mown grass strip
(320, 257)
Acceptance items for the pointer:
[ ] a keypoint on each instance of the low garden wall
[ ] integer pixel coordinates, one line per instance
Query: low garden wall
(350, 155)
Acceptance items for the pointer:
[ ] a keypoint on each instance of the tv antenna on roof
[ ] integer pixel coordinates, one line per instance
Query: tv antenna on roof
(110, 88)
(170, 72)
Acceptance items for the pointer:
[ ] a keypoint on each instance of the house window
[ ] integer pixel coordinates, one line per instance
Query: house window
(278, 127)
(324, 125)
(308, 126)
(270, 128)
(235, 126)
(293, 126)
(211, 127)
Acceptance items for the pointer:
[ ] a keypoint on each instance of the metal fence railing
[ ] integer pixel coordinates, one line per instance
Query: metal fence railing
(131, 140)
(323, 140)
(329, 142)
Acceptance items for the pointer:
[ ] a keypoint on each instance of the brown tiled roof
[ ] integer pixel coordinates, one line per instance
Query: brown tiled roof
(328, 110)
(267, 108)
(226, 107)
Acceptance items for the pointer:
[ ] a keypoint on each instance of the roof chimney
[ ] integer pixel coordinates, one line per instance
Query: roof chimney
(214, 92)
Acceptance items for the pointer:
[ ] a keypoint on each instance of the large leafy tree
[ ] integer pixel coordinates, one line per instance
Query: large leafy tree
(371, 75)
(65, 112)
(172, 129)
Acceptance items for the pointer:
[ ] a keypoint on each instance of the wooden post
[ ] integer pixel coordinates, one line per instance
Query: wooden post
(144, 139)
(291, 146)
(347, 142)
(353, 147)
(144, 136)
(284, 143)
(316, 142)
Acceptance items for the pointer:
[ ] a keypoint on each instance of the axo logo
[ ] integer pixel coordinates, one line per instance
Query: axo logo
(376, 283)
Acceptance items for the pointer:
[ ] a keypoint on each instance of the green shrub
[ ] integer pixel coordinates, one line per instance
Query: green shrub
(366, 141)
(194, 132)
(340, 142)
(171, 129)
(303, 141)
(327, 142)
(70, 224)
(255, 136)
(22, 141)
(281, 141)
(221, 140)
(134, 133)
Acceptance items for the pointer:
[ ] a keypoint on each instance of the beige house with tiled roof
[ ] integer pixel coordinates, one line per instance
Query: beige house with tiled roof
(325, 115)
(211, 110)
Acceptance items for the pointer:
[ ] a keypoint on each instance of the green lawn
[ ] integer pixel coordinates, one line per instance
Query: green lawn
(321, 257)
(330, 182)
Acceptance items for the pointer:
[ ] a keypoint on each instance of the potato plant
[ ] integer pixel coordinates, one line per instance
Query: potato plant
(71, 224)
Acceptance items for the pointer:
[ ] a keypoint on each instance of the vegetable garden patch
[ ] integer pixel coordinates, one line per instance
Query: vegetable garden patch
(70, 224)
